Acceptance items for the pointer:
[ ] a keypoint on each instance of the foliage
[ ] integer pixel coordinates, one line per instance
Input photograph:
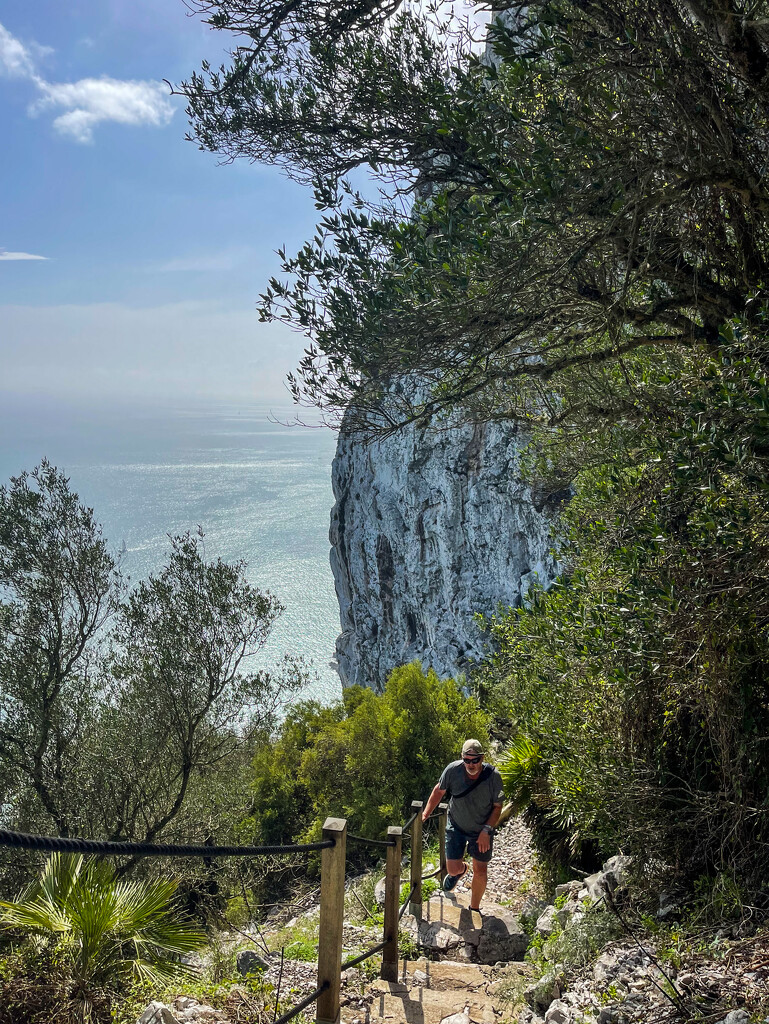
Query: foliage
(124, 714)
(580, 942)
(639, 678)
(596, 207)
(107, 932)
(58, 587)
(364, 759)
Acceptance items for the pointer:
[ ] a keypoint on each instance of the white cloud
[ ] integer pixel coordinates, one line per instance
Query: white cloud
(89, 101)
(93, 100)
(5, 255)
(15, 58)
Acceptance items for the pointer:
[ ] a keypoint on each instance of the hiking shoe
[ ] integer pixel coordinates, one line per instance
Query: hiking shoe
(451, 880)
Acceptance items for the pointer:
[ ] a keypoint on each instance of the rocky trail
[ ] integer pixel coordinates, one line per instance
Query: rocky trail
(573, 965)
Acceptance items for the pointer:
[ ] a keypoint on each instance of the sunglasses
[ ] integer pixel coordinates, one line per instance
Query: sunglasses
(473, 760)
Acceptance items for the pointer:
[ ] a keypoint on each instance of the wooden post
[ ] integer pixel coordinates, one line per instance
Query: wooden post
(415, 906)
(392, 899)
(332, 866)
(444, 810)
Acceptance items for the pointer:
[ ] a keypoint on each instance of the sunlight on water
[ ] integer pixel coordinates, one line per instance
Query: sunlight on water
(260, 490)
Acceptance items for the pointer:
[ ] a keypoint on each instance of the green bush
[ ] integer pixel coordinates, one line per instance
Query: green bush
(637, 684)
(104, 934)
(364, 759)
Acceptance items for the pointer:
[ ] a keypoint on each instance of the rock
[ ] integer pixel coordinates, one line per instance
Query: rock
(419, 978)
(668, 906)
(548, 921)
(736, 1017)
(379, 892)
(184, 1002)
(157, 1013)
(201, 1014)
(457, 1018)
(544, 991)
(248, 962)
(502, 938)
(532, 909)
(432, 526)
(558, 1013)
(463, 1018)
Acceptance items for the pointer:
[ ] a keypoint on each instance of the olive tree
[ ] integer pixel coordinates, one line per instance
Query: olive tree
(122, 713)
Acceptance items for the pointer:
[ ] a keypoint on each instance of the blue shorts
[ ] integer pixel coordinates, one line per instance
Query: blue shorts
(457, 841)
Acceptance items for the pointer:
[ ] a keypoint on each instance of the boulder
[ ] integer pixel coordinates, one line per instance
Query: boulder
(558, 1013)
(457, 1018)
(502, 938)
(249, 962)
(544, 991)
(157, 1013)
(549, 920)
(736, 1017)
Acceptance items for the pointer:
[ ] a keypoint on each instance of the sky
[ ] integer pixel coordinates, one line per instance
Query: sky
(130, 262)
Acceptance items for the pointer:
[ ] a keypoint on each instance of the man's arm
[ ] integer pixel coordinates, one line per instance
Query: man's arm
(484, 838)
(435, 798)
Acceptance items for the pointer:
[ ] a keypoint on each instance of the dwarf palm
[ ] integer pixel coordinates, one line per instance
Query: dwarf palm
(109, 931)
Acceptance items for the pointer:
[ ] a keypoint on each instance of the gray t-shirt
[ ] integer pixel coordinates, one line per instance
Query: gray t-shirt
(471, 812)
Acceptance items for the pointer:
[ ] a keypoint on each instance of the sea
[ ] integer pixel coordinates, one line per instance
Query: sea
(259, 488)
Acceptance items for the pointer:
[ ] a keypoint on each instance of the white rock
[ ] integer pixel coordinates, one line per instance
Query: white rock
(736, 1017)
(419, 978)
(157, 1013)
(184, 1002)
(557, 1013)
(430, 527)
(457, 1018)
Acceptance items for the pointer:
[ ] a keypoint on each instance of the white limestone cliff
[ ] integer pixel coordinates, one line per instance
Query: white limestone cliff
(430, 527)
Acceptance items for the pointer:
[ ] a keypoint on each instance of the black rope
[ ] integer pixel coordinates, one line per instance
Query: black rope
(371, 842)
(413, 889)
(433, 874)
(411, 821)
(303, 1004)
(436, 814)
(20, 841)
(363, 956)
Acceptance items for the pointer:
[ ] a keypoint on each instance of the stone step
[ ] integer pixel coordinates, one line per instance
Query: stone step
(429, 991)
(448, 927)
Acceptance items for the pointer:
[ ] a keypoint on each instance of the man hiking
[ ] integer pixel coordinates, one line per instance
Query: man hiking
(476, 794)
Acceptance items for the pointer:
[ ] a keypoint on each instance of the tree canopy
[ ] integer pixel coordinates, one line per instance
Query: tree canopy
(597, 198)
(124, 714)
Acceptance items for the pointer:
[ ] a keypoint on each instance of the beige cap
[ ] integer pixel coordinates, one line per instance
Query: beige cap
(471, 747)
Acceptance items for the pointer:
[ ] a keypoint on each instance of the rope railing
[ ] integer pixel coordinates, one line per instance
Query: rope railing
(303, 1004)
(370, 842)
(364, 956)
(333, 848)
(22, 841)
(410, 822)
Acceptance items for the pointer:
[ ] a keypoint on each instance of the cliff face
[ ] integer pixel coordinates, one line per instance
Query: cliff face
(430, 527)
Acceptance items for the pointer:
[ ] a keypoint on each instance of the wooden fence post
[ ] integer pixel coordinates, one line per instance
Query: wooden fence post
(391, 907)
(332, 870)
(443, 810)
(415, 905)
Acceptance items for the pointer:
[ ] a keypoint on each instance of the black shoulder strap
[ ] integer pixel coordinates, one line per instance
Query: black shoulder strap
(487, 770)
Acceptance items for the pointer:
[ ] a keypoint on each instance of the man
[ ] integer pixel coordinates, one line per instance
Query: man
(476, 795)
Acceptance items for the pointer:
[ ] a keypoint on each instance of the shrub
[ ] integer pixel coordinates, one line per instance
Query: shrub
(364, 759)
(104, 932)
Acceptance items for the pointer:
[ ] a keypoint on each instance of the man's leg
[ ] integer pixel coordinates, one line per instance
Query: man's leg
(455, 867)
(480, 878)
